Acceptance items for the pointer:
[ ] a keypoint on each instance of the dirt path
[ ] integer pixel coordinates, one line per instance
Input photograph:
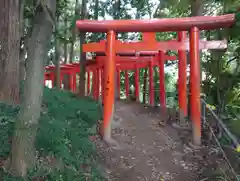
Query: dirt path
(150, 152)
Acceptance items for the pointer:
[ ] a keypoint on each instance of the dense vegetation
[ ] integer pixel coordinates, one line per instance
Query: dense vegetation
(64, 151)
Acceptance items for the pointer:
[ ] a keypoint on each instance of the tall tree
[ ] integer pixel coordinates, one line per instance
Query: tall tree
(22, 48)
(66, 37)
(23, 150)
(96, 9)
(82, 54)
(74, 30)
(57, 57)
(116, 15)
(9, 51)
(197, 7)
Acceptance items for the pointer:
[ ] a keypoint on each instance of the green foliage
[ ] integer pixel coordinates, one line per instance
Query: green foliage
(234, 30)
(237, 17)
(62, 6)
(7, 119)
(73, 21)
(65, 126)
(8, 177)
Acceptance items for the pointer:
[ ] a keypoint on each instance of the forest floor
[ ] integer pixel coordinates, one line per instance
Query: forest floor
(151, 152)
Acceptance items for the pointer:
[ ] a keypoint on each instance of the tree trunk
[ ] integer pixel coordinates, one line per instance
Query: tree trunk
(82, 65)
(71, 53)
(196, 7)
(96, 9)
(57, 82)
(23, 151)
(24, 44)
(82, 54)
(149, 9)
(66, 82)
(116, 15)
(9, 51)
(65, 41)
(22, 49)
(22, 71)
(71, 56)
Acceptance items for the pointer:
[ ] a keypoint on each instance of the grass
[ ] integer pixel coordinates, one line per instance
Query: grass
(66, 123)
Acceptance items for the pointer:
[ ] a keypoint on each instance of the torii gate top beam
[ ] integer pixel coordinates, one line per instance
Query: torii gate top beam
(148, 48)
(157, 25)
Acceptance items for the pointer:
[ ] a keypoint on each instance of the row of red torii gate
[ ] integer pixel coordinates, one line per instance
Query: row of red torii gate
(113, 56)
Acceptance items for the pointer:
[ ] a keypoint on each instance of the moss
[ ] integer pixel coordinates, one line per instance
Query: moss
(66, 123)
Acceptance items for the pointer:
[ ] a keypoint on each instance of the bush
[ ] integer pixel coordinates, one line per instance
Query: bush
(65, 125)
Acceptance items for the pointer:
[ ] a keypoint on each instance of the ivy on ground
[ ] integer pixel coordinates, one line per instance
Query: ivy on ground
(65, 125)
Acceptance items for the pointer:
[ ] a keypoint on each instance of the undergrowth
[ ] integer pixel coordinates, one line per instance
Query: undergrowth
(64, 128)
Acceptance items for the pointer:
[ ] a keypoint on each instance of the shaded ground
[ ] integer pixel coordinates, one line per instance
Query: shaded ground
(150, 152)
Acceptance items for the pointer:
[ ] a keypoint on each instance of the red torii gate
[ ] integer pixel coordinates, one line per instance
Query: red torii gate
(124, 61)
(131, 59)
(193, 24)
(150, 47)
(135, 62)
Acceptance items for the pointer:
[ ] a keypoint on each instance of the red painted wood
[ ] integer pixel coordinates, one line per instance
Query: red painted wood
(182, 76)
(74, 82)
(152, 47)
(103, 80)
(157, 25)
(97, 83)
(88, 82)
(162, 91)
(71, 82)
(195, 107)
(109, 92)
(52, 78)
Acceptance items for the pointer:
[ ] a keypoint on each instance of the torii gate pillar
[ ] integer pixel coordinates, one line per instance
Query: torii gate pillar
(182, 79)
(195, 109)
(109, 88)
